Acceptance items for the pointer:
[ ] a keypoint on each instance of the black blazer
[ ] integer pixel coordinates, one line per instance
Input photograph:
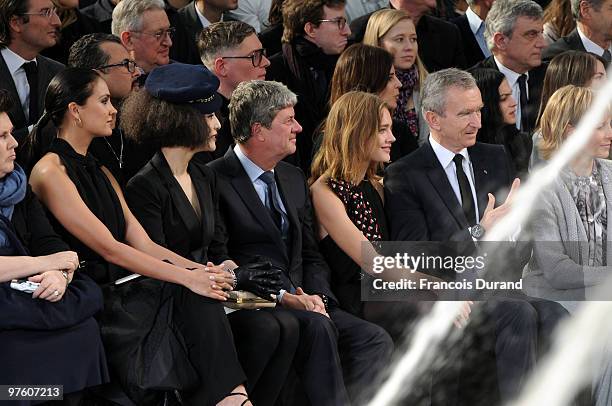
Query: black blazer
(440, 43)
(473, 53)
(185, 44)
(159, 203)
(47, 68)
(420, 202)
(571, 42)
(250, 230)
(535, 82)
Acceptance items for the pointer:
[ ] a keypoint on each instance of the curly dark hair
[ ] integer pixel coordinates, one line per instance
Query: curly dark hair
(155, 122)
(87, 51)
(296, 13)
(6, 101)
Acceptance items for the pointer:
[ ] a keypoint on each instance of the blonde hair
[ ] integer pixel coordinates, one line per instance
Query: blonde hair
(351, 130)
(380, 23)
(564, 108)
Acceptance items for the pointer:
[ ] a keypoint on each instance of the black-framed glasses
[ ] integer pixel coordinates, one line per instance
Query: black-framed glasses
(256, 57)
(340, 22)
(129, 64)
(45, 12)
(161, 34)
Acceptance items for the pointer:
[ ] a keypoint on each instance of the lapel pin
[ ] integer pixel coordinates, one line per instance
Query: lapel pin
(485, 172)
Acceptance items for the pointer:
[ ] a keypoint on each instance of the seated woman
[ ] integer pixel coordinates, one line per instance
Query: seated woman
(570, 225)
(176, 201)
(370, 69)
(498, 118)
(347, 199)
(55, 322)
(91, 214)
(569, 68)
(394, 31)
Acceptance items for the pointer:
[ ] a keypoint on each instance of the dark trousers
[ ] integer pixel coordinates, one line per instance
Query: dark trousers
(337, 353)
(266, 341)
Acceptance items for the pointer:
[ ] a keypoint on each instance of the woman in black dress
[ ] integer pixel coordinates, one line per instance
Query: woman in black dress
(176, 200)
(348, 203)
(55, 322)
(178, 307)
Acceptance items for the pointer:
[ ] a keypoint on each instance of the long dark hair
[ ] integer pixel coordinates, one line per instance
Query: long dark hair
(68, 86)
(488, 81)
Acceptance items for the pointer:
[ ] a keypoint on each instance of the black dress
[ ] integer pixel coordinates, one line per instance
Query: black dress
(365, 209)
(199, 323)
(265, 340)
(39, 339)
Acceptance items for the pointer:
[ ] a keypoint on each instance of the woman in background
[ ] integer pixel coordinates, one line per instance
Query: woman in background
(394, 31)
(370, 69)
(498, 118)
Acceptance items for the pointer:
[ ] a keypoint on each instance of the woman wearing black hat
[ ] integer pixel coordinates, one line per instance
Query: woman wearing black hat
(176, 201)
(165, 331)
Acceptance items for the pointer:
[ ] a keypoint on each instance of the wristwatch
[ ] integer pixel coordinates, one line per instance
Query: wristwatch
(477, 231)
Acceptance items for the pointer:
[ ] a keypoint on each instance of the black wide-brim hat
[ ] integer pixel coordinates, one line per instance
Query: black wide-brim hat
(180, 83)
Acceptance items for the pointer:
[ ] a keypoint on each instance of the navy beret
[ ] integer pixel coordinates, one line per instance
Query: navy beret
(180, 83)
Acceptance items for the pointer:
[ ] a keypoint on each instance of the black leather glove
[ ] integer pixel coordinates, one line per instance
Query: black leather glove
(260, 278)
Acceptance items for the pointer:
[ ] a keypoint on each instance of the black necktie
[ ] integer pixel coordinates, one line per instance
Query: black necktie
(522, 81)
(606, 55)
(31, 71)
(273, 206)
(467, 200)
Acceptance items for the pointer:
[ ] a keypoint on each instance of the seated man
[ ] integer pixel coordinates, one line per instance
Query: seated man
(266, 208)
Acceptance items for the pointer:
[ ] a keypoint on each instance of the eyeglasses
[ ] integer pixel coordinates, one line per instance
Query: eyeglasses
(256, 57)
(340, 21)
(129, 64)
(161, 34)
(45, 12)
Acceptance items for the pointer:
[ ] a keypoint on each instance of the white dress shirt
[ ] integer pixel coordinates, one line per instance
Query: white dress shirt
(203, 20)
(357, 8)
(15, 63)
(512, 78)
(253, 12)
(476, 23)
(590, 46)
(445, 157)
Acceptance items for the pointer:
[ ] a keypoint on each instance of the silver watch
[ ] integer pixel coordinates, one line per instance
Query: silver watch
(477, 231)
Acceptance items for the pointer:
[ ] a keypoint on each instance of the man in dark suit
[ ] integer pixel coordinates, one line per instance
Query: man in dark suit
(440, 43)
(26, 28)
(266, 208)
(232, 51)
(190, 20)
(472, 26)
(514, 36)
(442, 192)
(593, 32)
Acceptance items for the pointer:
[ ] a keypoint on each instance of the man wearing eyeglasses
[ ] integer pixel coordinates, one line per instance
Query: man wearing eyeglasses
(315, 34)
(145, 31)
(26, 28)
(233, 52)
(106, 54)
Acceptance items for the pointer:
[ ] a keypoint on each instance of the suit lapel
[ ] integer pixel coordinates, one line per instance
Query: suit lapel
(481, 170)
(195, 25)
(574, 41)
(180, 200)
(440, 182)
(16, 112)
(284, 188)
(244, 188)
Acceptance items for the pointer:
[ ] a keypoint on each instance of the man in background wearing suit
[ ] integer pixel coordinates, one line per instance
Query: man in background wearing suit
(265, 205)
(190, 20)
(26, 28)
(593, 32)
(472, 26)
(443, 192)
(514, 35)
(440, 43)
